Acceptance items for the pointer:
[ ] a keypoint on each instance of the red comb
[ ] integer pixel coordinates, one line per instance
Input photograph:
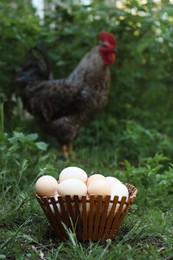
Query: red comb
(108, 37)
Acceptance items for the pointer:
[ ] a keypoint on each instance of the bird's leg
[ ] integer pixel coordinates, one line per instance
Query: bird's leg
(70, 150)
(64, 151)
(67, 151)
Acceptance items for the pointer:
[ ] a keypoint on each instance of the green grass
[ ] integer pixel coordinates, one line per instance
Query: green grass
(147, 231)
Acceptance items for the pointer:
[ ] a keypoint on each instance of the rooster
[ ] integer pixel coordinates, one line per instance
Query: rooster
(61, 107)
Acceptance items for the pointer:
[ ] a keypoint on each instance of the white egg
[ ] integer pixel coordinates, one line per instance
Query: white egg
(112, 180)
(73, 172)
(120, 190)
(46, 186)
(72, 187)
(99, 187)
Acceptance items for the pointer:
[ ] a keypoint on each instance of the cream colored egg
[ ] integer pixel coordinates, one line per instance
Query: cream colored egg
(46, 186)
(73, 172)
(99, 187)
(95, 177)
(72, 187)
(119, 190)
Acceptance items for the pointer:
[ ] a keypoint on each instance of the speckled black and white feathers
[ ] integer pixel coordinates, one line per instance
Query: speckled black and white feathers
(62, 106)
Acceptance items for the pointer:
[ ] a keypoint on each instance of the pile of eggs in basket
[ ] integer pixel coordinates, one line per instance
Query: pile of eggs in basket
(74, 181)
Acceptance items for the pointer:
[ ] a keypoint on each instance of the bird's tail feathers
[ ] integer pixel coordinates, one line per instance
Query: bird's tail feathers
(36, 67)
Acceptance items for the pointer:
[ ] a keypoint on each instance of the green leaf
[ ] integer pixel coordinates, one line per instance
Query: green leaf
(32, 137)
(42, 146)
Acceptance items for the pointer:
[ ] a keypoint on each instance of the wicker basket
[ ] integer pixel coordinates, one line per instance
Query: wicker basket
(93, 218)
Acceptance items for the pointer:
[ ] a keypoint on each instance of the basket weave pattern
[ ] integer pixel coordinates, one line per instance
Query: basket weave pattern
(94, 218)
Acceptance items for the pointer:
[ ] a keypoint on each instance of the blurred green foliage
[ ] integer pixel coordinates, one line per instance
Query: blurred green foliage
(137, 121)
(131, 139)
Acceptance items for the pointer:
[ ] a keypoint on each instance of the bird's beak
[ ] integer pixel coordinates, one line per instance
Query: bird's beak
(102, 43)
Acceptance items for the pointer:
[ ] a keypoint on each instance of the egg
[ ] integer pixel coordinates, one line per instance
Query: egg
(112, 181)
(95, 177)
(99, 187)
(46, 186)
(120, 190)
(73, 172)
(72, 187)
